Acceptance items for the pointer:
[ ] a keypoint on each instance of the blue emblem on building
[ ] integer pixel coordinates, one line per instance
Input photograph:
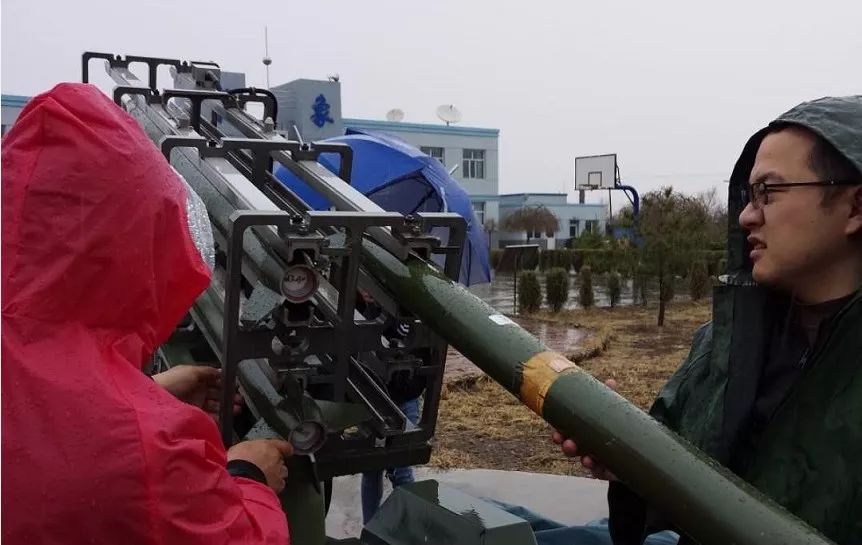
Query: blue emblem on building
(320, 117)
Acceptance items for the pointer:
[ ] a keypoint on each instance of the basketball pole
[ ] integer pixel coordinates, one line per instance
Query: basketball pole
(610, 206)
(515, 285)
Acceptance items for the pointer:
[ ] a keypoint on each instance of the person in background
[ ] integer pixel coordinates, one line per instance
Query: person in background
(405, 393)
(372, 481)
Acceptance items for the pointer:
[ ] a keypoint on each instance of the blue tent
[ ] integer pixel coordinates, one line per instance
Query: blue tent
(400, 178)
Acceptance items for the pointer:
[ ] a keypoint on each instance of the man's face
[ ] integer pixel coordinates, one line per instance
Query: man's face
(795, 236)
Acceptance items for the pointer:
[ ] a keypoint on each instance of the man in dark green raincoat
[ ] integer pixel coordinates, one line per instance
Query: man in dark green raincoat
(772, 387)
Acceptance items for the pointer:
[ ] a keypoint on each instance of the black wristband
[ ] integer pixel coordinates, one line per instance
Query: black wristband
(246, 469)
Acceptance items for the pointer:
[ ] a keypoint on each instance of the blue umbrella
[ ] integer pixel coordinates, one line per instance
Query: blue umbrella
(400, 178)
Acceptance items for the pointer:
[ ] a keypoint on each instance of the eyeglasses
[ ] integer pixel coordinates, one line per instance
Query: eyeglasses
(758, 193)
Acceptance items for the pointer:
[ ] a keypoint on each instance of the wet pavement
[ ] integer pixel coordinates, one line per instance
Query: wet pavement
(556, 337)
(499, 293)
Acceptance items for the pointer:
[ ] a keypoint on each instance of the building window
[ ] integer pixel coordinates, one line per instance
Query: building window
(474, 163)
(574, 227)
(592, 226)
(479, 211)
(436, 153)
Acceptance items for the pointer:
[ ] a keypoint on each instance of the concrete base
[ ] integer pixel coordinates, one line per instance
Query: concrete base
(567, 500)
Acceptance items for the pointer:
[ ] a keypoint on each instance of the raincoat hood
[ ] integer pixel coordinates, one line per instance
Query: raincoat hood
(95, 225)
(838, 120)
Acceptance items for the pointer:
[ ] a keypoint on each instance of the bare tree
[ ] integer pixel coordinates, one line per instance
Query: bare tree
(716, 211)
(532, 219)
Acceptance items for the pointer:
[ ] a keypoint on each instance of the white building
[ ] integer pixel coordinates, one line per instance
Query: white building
(575, 219)
(309, 109)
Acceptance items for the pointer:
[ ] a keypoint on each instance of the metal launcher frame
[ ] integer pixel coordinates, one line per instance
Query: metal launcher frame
(313, 367)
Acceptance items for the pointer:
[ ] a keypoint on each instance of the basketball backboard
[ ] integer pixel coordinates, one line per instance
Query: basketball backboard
(596, 172)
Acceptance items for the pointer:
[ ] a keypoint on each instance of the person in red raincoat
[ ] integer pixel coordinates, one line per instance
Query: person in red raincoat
(98, 265)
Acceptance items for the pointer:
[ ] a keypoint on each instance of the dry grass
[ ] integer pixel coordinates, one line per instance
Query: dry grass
(482, 426)
(640, 355)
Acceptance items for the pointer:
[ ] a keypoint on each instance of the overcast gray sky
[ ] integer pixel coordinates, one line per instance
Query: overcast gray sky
(673, 87)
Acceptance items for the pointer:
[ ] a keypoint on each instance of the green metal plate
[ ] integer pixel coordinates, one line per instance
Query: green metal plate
(429, 513)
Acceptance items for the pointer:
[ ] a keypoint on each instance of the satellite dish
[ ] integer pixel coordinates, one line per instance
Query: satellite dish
(395, 114)
(448, 113)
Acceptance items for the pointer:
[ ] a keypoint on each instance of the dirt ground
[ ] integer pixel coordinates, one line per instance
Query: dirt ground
(480, 425)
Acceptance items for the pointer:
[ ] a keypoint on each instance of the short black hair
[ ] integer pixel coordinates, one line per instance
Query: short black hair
(827, 163)
(830, 164)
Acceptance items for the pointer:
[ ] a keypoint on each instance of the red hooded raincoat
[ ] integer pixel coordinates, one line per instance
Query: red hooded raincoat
(98, 265)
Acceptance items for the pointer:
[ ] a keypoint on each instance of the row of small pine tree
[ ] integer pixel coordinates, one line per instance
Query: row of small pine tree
(557, 288)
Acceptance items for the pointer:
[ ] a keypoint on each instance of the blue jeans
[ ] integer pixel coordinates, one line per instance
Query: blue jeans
(549, 532)
(372, 481)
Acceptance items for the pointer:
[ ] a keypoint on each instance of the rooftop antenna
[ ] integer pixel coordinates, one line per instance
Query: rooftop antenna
(266, 59)
(448, 113)
(395, 114)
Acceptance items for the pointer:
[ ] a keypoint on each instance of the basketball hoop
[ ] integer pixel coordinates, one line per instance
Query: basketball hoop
(596, 172)
(601, 172)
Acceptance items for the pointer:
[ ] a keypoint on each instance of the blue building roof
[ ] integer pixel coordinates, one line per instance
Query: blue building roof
(532, 194)
(400, 126)
(14, 100)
